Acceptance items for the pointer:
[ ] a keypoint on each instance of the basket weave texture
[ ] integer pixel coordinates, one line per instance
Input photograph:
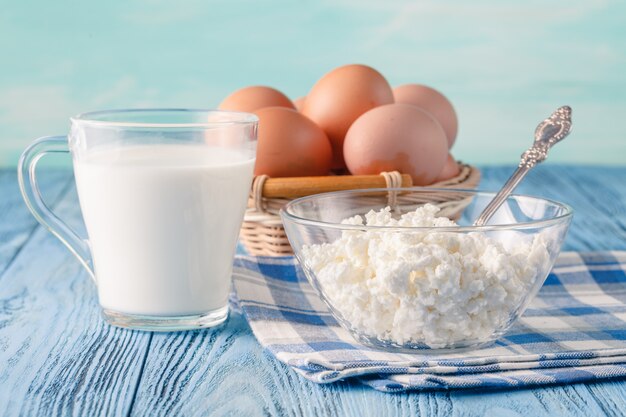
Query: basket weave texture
(262, 232)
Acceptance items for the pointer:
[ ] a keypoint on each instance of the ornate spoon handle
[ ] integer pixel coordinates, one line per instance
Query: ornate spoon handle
(549, 132)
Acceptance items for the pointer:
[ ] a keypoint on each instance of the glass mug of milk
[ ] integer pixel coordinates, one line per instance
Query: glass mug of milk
(163, 194)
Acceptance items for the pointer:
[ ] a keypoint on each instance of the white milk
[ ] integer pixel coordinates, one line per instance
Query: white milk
(163, 222)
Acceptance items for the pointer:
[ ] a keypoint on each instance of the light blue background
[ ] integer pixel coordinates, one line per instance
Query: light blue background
(504, 64)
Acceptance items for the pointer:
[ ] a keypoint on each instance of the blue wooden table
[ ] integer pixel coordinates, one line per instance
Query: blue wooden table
(57, 356)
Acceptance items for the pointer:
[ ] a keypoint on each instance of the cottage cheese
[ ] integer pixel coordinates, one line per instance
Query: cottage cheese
(432, 288)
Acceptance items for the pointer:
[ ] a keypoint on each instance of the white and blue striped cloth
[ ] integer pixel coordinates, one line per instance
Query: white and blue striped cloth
(574, 330)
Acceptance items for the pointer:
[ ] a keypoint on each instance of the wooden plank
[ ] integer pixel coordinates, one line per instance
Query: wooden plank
(16, 222)
(61, 359)
(225, 371)
(597, 194)
(611, 396)
(57, 356)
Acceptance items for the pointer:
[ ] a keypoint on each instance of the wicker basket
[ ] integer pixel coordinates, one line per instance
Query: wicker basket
(262, 231)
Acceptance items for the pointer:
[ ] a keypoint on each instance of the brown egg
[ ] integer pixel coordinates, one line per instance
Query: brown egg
(340, 97)
(249, 99)
(290, 145)
(433, 102)
(450, 170)
(299, 103)
(396, 137)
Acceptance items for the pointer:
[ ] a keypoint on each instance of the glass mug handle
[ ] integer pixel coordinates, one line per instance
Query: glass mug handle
(27, 179)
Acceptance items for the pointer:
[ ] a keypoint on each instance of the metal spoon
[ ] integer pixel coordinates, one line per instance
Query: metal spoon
(549, 132)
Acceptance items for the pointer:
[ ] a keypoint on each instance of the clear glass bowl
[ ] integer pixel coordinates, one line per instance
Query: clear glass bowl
(413, 285)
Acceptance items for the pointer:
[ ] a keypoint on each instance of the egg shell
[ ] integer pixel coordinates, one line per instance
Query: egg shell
(433, 102)
(340, 97)
(249, 99)
(450, 169)
(397, 137)
(290, 145)
(299, 103)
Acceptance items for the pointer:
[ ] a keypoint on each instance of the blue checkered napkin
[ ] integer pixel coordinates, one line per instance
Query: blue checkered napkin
(574, 330)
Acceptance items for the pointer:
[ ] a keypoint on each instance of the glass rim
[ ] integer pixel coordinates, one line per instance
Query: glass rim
(95, 118)
(533, 224)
